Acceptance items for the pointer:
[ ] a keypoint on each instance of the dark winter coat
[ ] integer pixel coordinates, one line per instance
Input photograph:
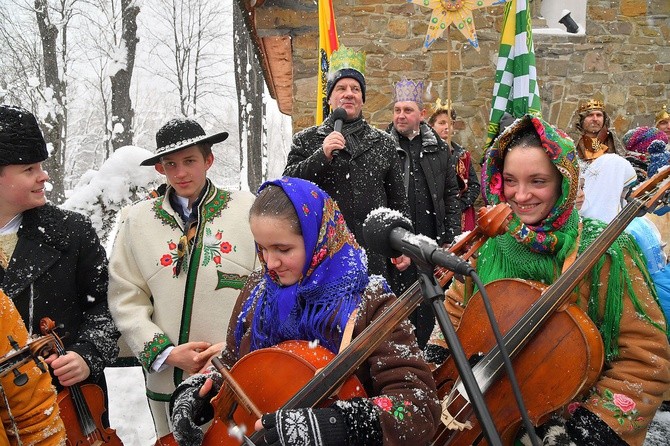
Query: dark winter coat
(60, 265)
(364, 176)
(439, 168)
(472, 188)
(394, 372)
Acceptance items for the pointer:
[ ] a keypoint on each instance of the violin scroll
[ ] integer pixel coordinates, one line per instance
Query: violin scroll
(494, 220)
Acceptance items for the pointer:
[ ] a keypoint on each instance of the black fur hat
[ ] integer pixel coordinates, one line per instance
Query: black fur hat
(178, 134)
(21, 140)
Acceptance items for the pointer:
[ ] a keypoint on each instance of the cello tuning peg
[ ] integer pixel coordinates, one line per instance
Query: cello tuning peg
(15, 345)
(20, 379)
(40, 365)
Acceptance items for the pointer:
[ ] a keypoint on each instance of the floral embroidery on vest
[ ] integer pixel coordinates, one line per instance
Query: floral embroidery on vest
(153, 348)
(170, 258)
(214, 247)
(623, 408)
(399, 409)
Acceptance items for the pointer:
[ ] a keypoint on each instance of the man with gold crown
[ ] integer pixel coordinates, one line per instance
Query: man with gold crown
(607, 176)
(663, 121)
(358, 165)
(431, 184)
(593, 123)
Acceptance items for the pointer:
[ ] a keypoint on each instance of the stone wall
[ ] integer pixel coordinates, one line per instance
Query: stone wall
(624, 59)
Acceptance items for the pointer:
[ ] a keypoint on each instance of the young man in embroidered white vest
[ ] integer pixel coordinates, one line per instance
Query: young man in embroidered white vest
(178, 264)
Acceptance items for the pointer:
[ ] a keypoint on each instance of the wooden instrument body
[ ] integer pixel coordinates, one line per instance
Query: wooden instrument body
(269, 377)
(565, 357)
(95, 400)
(81, 405)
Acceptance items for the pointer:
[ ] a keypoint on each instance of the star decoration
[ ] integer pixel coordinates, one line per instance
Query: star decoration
(458, 12)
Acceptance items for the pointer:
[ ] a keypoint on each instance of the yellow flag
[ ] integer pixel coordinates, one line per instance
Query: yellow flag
(328, 42)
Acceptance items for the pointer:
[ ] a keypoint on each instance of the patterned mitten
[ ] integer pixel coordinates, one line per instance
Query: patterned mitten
(189, 409)
(305, 427)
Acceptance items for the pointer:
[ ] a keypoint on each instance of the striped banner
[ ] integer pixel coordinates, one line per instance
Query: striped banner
(515, 91)
(328, 42)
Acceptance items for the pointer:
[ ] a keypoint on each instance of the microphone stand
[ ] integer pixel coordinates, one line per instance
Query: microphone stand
(433, 292)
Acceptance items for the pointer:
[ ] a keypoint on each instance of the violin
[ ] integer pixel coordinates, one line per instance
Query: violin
(81, 405)
(262, 382)
(542, 330)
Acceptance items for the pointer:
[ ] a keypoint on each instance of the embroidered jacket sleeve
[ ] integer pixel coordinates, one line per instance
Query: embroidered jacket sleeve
(631, 386)
(97, 338)
(33, 405)
(306, 158)
(401, 390)
(131, 303)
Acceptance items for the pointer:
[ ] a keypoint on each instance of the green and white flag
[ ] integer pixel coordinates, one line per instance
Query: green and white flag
(515, 91)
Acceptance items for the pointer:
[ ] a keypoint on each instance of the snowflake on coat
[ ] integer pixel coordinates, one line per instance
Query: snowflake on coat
(214, 247)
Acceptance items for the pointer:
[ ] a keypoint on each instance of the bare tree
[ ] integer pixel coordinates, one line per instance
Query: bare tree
(122, 107)
(189, 59)
(250, 87)
(54, 57)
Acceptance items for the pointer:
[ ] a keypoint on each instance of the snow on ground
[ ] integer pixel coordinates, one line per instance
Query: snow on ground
(128, 409)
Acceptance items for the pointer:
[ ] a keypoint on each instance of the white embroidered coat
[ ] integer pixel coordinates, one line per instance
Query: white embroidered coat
(152, 305)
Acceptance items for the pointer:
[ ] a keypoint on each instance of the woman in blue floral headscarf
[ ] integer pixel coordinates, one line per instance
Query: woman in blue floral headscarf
(533, 168)
(314, 276)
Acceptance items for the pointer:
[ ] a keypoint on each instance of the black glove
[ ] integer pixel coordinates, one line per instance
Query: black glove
(305, 427)
(189, 409)
(583, 428)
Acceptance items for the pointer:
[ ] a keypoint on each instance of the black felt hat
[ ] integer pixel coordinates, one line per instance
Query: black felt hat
(179, 134)
(21, 141)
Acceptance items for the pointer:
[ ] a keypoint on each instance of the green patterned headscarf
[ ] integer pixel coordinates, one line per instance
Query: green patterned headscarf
(525, 247)
(538, 252)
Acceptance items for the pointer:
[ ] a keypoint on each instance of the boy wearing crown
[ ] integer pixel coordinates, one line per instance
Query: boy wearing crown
(607, 175)
(358, 166)
(431, 184)
(178, 264)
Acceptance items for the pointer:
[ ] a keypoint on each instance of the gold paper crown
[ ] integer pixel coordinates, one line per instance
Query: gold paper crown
(662, 115)
(440, 107)
(347, 58)
(593, 104)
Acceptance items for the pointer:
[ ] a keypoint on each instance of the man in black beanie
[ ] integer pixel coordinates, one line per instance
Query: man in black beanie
(358, 165)
(51, 261)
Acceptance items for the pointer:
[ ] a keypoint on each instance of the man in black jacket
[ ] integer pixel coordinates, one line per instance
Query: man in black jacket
(431, 184)
(358, 166)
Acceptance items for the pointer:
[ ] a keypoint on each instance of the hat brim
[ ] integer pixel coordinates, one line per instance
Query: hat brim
(216, 138)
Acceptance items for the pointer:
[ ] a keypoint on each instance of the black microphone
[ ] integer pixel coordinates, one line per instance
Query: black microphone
(339, 115)
(388, 232)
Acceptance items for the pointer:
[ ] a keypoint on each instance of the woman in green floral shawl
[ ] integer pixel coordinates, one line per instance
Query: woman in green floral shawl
(533, 167)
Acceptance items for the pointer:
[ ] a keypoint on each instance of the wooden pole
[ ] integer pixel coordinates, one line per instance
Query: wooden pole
(450, 123)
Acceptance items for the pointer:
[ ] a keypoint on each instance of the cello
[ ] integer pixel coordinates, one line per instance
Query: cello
(81, 406)
(542, 330)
